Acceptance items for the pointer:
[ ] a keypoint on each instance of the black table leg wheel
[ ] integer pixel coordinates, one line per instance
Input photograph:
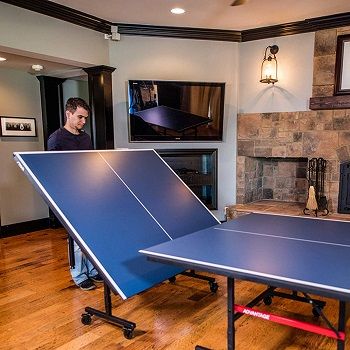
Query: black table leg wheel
(315, 312)
(213, 287)
(128, 333)
(86, 319)
(267, 300)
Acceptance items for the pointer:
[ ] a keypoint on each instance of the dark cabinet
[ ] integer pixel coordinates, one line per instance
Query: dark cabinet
(198, 170)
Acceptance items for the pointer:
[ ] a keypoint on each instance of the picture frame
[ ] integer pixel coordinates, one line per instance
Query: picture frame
(342, 71)
(17, 127)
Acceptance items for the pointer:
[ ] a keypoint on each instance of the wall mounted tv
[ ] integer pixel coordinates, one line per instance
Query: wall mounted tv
(175, 111)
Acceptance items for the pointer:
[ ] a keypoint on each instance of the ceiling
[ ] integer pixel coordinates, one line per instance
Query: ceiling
(208, 14)
(24, 63)
(211, 14)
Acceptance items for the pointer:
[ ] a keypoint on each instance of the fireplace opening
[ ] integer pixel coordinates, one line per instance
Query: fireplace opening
(282, 179)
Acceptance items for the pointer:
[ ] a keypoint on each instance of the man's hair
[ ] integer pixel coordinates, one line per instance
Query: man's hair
(74, 102)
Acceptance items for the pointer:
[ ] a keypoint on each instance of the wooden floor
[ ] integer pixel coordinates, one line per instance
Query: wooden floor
(40, 308)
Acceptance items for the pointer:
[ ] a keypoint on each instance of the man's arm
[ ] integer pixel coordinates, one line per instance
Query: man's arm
(52, 143)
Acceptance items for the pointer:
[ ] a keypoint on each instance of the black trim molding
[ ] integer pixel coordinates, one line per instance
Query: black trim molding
(180, 32)
(23, 227)
(306, 26)
(64, 13)
(71, 15)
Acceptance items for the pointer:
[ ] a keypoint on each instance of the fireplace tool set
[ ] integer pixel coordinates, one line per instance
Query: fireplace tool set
(317, 201)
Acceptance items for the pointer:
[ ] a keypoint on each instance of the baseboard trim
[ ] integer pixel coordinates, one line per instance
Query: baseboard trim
(24, 227)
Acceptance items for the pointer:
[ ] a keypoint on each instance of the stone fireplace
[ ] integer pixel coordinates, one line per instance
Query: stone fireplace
(289, 139)
(282, 143)
(282, 179)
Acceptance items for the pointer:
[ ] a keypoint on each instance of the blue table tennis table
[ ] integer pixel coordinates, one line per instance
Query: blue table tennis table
(304, 255)
(114, 203)
(172, 119)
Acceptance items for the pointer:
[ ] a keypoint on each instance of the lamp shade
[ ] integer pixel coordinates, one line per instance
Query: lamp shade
(269, 66)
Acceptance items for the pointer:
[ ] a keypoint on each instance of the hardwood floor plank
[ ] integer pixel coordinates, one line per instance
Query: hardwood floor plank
(40, 308)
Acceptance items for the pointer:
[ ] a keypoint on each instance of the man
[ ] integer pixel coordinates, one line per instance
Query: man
(73, 137)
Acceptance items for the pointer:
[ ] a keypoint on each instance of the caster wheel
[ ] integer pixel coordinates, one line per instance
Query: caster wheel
(213, 287)
(267, 300)
(128, 333)
(86, 319)
(172, 279)
(315, 312)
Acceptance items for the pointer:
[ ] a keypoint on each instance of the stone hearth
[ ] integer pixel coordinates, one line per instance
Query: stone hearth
(278, 208)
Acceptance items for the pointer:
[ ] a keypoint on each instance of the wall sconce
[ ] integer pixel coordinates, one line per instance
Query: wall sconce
(269, 66)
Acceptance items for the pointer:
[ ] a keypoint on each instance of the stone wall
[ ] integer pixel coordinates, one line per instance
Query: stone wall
(311, 134)
(281, 179)
(304, 134)
(324, 60)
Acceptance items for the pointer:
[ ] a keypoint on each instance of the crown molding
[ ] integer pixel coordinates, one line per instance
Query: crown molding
(63, 13)
(71, 15)
(179, 32)
(292, 28)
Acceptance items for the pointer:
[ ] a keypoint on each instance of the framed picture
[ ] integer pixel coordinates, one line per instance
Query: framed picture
(13, 126)
(342, 65)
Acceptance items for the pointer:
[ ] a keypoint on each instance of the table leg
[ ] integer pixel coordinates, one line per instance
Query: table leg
(230, 313)
(341, 324)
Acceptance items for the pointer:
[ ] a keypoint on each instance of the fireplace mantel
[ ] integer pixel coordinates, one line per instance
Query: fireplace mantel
(330, 102)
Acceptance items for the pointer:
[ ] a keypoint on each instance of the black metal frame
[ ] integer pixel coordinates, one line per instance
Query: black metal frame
(128, 326)
(71, 257)
(316, 178)
(317, 306)
(269, 292)
(211, 280)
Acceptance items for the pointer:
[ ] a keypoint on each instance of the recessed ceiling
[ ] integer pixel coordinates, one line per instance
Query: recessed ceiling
(212, 14)
(54, 69)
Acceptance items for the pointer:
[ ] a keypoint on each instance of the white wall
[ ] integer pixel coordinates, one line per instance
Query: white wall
(180, 59)
(295, 71)
(49, 38)
(33, 35)
(136, 57)
(19, 97)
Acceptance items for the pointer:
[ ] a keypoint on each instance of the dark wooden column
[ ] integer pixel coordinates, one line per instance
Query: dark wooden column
(100, 99)
(51, 105)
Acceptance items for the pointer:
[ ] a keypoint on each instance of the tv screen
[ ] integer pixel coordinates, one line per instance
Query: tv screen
(175, 111)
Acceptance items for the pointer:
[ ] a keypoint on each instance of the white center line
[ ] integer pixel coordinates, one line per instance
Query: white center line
(282, 237)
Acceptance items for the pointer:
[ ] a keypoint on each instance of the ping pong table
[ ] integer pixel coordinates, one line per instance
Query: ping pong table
(114, 203)
(172, 119)
(300, 254)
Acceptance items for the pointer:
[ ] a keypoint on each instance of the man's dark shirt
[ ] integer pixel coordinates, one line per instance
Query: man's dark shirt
(63, 140)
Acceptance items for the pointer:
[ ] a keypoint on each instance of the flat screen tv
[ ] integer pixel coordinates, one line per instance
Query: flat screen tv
(175, 111)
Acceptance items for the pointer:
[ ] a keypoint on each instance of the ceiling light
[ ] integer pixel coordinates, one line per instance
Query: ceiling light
(2, 59)
(177, 11)
(37, 67)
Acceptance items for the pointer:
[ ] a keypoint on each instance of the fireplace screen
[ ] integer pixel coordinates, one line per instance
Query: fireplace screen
(344, 189)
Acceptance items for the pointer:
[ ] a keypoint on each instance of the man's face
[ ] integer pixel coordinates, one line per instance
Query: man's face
(77, 120)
